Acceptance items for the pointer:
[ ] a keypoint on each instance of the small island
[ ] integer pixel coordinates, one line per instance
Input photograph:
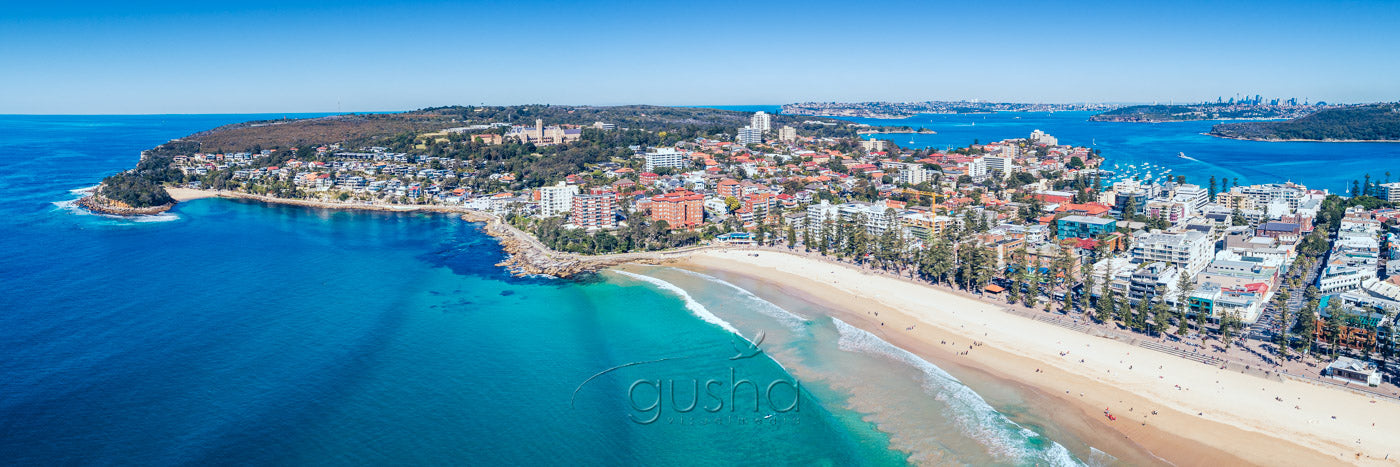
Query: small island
(1372, 122)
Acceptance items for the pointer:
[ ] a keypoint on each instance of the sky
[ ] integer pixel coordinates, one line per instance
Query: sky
(140, 57)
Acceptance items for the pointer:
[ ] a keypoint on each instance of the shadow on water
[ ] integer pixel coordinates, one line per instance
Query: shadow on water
(319, 393)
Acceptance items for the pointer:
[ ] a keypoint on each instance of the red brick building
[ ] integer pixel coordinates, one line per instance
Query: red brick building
(680, 208)
(596, 211)
(729, 188)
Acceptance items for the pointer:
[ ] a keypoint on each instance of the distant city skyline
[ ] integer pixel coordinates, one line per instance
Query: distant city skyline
(261, 56)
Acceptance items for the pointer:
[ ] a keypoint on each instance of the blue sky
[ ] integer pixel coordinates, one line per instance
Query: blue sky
(299, 56)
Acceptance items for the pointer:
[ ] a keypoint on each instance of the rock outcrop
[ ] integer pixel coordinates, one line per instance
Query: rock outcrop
(102, 205)
(530, 257)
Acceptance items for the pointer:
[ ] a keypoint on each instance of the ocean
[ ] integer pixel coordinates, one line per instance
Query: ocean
(232, 332)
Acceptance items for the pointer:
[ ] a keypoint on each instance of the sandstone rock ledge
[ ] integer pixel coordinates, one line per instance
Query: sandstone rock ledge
(101, 205)
(530, 257)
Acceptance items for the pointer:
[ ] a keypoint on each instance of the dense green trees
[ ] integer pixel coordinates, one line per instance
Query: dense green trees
(1365, 122)
(134, 191)
(636, 236)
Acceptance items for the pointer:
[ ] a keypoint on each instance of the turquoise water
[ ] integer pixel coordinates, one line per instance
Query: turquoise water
(229, 332)
(931, 415)
(1318, 165)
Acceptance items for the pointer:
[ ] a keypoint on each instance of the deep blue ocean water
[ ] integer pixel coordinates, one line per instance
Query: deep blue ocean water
(230, 332)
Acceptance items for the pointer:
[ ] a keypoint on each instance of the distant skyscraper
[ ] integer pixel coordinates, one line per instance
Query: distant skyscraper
(749, 135)
(762, 121)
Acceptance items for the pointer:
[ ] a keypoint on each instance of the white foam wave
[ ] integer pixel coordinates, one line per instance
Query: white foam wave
(787, 318)
(162, 217)
(972, 413)
(690, 304)
(72, 206)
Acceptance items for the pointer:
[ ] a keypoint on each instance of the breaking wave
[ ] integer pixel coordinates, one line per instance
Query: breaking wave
(690, 304)
(1006, 439)
(787, 318)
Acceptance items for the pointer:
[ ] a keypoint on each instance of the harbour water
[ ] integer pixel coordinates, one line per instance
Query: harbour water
(1332, 166)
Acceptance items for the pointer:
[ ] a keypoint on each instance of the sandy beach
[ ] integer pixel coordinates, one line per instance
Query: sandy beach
(1168, 409)
(187, 194)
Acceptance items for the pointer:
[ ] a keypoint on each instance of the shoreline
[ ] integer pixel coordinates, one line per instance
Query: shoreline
(525, 254)
(911, 132)
(1258, 140)
(189, 194)
(1242, 119)
(1205, 414)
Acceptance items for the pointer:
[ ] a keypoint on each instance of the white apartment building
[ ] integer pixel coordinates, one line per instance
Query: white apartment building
(1290, 194)
(761, 121)
(871, 216)
(1336, 279)
(1390, 192)
(1001, 165)
(1194, 196)
(749, 135)
(664, 157)
(818, 213)
(1191, 251)
(873, 145)
(915, 176)
(556, 200)
(977, 168)
(1039, 137)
